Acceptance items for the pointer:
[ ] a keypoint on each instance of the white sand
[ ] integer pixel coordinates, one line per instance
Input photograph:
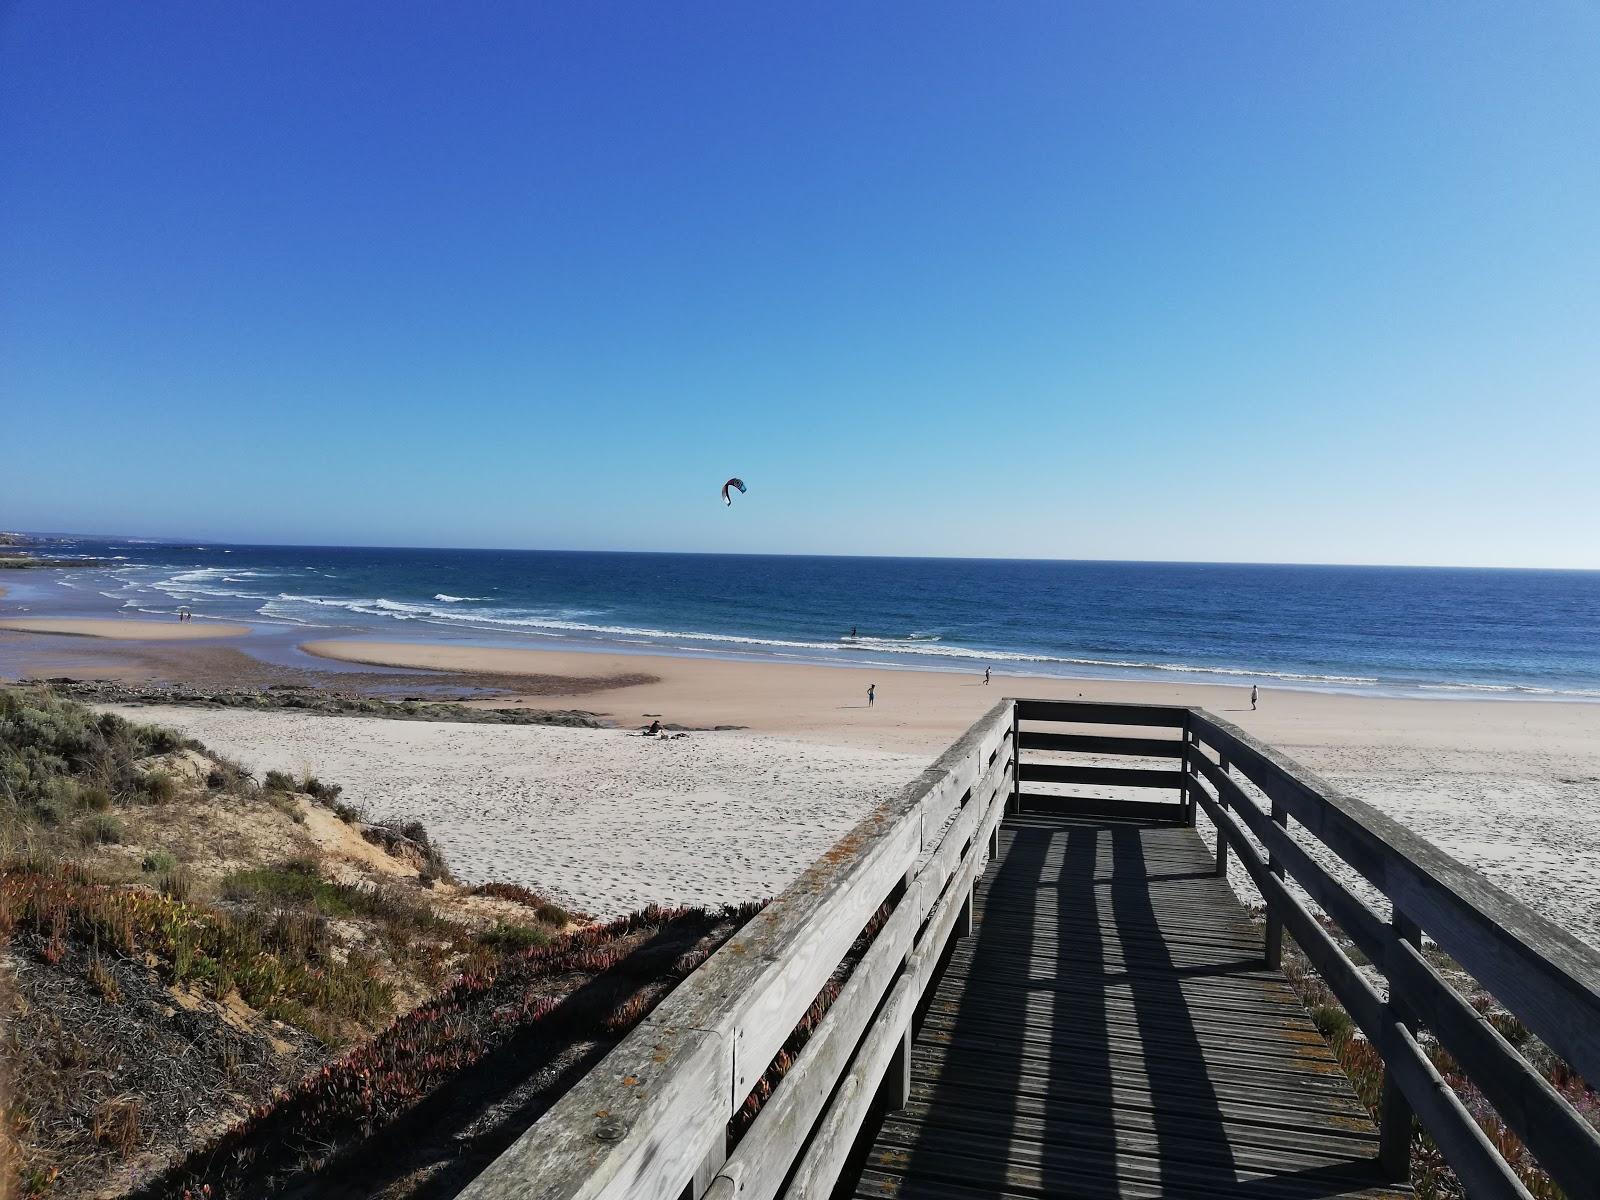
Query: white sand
(612, 821)
(1528, 819)
(602, 819)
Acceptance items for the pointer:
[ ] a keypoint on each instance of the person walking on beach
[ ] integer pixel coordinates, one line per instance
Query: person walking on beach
(986, 677)
(1254, 696)
(872, 694)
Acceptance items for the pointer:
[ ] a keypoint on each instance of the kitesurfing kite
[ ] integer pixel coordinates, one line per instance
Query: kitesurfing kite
(732, 483)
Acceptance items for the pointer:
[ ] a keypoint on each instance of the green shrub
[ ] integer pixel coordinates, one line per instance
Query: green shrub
(51, 811)
(57, 757)
(506, 937)
(159, 739)
(1332, 1022)
(317, 790)
(229, 776)
(545, 909)
(278, 781)
(298, 883)
(159, 862)
(94, 798)
(160, 787)
(100, 829)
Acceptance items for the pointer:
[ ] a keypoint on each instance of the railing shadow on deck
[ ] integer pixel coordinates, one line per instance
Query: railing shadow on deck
(650, 1121)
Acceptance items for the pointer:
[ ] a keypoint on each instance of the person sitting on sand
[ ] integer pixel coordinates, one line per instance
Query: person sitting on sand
(655, 728)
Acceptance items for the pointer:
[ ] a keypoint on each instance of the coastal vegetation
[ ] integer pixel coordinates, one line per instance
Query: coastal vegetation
(1431, 1176)
(208, 974)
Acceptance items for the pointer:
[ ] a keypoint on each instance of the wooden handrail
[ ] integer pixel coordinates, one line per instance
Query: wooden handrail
(1548, 979)
(649, 1121)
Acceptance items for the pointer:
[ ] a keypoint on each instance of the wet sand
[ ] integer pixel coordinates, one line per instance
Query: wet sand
(125, 628)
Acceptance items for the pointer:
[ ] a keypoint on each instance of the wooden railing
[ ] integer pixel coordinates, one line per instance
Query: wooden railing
(1545, 977)
(650, 1122)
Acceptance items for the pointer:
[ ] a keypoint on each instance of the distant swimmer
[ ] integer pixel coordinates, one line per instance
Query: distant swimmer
(872, 694)
(852, 631)
(986, 677)
(1254, 696)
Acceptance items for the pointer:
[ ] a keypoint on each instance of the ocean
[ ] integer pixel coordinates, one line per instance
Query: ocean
(1394, 630)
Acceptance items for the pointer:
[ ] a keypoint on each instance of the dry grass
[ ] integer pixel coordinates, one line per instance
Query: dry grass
(586, 987)
(155, 976)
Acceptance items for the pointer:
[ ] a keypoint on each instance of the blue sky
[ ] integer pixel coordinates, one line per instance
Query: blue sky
(1194, 281)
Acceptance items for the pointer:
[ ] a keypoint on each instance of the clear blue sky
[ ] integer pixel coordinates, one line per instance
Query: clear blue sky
(1295, 282)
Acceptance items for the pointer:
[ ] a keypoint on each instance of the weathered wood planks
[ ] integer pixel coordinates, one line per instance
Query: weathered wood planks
(1188, 1071)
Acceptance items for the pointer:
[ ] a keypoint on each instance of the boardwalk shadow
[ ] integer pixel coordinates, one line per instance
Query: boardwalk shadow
(1188, 1140)
(967, 1079)
(1109, 1031)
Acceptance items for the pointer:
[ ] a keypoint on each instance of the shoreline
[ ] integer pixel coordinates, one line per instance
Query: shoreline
(1220, 678)
(925, 710)
(84, 609)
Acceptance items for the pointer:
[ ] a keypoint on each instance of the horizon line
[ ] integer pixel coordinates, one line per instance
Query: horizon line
(1196, 562)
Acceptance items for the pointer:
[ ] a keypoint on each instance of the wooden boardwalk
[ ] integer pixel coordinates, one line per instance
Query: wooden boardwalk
(1109, 1029)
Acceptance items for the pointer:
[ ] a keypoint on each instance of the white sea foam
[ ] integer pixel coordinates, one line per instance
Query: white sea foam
(563, 622)
(929, 645)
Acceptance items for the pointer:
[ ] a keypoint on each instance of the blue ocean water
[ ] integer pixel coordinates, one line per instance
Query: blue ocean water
(1426, 631)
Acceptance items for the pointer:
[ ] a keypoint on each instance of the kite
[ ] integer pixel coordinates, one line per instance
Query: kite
(732, 483)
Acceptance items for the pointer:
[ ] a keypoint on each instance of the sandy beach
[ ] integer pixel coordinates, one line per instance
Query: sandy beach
(611, 820)
(923, 711)
(605, 820)
(126, 628)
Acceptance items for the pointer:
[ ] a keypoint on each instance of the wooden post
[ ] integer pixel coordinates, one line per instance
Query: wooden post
(897, 1082)
(1222, 842)
(1396, 1118)
(1274, 949)
(1016, 762)
(994, 842)
(705, 1174)
(964, 917)
(1191, 807)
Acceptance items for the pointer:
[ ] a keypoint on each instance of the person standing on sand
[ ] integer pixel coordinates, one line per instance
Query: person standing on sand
(986, 677)
(1254, 696)
(872, 694)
